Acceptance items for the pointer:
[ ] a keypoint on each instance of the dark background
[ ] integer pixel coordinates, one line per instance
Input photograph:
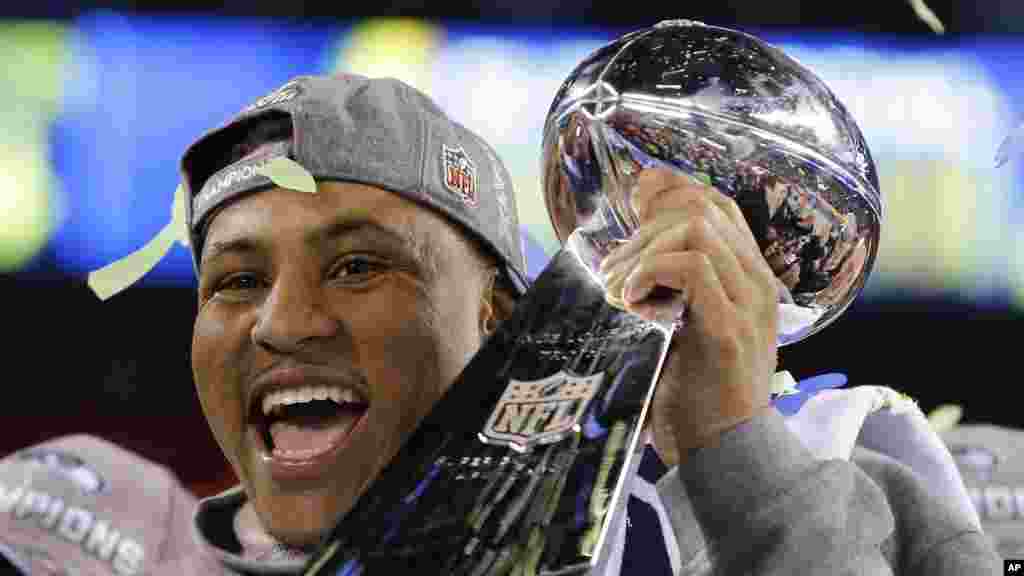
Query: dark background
(870, 16)
(120, 369)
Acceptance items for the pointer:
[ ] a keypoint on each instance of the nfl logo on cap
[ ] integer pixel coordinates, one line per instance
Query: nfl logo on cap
(459, 174)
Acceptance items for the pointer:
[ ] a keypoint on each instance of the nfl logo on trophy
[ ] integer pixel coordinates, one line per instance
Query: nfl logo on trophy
(540, 412)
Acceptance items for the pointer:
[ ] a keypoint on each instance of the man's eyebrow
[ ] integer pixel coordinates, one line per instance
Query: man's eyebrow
(421, 249)
(356, 226)
(241, 245)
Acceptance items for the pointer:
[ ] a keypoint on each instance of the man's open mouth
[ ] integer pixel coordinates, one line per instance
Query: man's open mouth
(304, 422)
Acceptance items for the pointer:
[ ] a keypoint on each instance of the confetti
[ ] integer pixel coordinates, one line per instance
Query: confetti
(927, 16)
(115, 277)
(783, 384)
(896, 402)
(289, 174)
(178, 218)
(945, 417)
(1013, 144)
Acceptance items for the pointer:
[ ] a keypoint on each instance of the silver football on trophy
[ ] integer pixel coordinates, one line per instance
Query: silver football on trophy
(740, 115)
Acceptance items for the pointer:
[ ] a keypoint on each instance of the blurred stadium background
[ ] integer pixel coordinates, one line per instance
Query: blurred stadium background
(101, 98)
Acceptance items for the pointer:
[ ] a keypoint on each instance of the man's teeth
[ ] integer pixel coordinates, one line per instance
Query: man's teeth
(276, 400)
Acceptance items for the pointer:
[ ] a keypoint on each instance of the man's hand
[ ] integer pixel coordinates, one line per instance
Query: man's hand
(694, 239)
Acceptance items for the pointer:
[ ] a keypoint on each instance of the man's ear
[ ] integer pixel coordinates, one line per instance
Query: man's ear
(489, 319)
(498, 303)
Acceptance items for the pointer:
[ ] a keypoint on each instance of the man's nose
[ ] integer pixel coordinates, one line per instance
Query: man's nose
(294, 313)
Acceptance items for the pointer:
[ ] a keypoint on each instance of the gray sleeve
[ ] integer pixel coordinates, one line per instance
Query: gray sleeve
(967, 553)
(757, 502)
(935, 537)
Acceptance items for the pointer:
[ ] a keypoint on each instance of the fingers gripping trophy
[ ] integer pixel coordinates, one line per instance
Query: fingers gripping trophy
(737, 114)
(534, 481)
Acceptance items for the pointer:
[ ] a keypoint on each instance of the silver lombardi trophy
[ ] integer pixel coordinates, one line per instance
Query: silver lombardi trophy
(739, 114)
(524, 466)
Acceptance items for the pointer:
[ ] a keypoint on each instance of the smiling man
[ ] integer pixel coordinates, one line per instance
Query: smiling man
(328, 326)
(331, 320)
(329, 323)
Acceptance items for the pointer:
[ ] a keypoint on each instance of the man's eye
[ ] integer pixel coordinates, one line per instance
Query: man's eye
(356, 268)
(239, 283)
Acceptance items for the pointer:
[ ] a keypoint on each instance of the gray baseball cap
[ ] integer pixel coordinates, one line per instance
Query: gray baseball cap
(82, 505)
(379, 132)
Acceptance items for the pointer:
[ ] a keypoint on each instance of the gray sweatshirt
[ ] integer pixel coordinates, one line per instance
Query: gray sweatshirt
(765, 501)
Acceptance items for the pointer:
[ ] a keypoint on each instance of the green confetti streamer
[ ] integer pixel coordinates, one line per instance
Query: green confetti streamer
(897, 402)
(783, 384)
(289, 174)
(927, 16)
(115, 277)
(945, 417)
(178, 216)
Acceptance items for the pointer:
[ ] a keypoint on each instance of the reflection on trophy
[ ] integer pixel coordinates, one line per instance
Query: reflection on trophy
(527, 462)
(740, 115)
